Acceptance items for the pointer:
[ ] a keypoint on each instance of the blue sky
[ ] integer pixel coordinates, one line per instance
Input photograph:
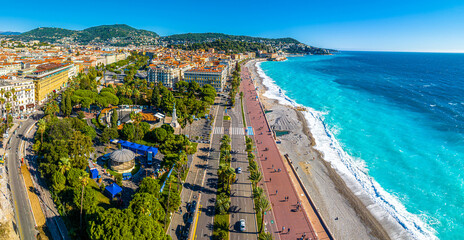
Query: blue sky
(406, 25)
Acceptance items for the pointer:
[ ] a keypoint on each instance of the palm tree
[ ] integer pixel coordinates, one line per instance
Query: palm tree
(41, 128)
(262, 205)
(265, 236)
(13, 93)
(2, 101)
(65, 163)
(8, 108)
(258, 192)
(255, 177)
(222, 203)
(136, 94)
(14, 102)
(226, 175)
(84, 181)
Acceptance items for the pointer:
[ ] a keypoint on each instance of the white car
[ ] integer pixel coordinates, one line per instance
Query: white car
(242, 225)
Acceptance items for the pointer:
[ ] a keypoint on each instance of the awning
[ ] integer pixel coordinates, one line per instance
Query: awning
(113, 189)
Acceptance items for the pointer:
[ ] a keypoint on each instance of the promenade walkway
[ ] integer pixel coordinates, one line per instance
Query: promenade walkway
(291, 220)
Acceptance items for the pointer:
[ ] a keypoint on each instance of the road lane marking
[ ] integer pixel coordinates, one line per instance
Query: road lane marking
(196, 222)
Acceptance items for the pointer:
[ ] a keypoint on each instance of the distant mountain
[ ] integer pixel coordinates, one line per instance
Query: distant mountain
(234, 43)
(210, 37)
(117, 34)
(7, 33)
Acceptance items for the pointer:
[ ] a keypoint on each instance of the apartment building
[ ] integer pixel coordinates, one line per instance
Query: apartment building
(49, 78)
(23, 89)
(214, 76)
(166, 74)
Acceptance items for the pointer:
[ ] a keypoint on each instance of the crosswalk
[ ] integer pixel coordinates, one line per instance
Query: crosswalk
(232, 131)
(218, 130)
(237, 131)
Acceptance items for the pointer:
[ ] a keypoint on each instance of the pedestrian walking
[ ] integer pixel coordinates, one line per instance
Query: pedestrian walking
(276, 191)
(270, 179)
(283, 228)
(288, 231)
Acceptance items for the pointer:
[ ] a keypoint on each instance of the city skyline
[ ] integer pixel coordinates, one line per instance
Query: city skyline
(425, 26)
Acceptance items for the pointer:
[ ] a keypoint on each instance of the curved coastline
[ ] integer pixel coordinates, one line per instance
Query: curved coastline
(387, 214)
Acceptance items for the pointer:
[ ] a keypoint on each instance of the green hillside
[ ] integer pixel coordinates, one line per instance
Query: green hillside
(202, 37)
(118, 34)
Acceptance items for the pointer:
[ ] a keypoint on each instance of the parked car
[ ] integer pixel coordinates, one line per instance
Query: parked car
(193, 206)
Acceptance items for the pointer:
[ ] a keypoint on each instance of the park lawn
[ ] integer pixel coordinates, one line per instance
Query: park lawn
(102, 200)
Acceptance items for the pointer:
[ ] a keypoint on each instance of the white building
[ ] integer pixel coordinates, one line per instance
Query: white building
(168, 75)
(24, 90)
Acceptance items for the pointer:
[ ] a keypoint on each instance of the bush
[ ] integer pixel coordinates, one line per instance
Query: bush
(80, 115)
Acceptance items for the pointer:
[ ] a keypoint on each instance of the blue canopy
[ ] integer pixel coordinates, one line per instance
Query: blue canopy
(138, 148)
(94, 173)
(113, 189)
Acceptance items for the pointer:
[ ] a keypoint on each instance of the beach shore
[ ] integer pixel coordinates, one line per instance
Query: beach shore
(345, 214)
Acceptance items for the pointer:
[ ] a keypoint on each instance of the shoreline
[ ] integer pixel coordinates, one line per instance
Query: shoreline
(352, 215)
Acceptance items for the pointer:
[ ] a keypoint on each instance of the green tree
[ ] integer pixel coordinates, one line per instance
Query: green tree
(41, 128)
(114, 118)
(147, 204)
(128, 131)
(58, 181)
(262, 205)
(149, 185)
(265, 236)
(108, 134)
(255, 177)
(222, 203)
(160, 134)
(167, 102)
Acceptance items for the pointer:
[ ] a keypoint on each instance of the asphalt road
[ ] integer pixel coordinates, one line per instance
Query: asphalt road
(193, 186)
(242, 206)
(25, 224)
(206, 211)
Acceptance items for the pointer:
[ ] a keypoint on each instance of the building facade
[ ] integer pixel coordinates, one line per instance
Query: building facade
(166, 74)
(49, 78)
(214, 76)
(22, 96)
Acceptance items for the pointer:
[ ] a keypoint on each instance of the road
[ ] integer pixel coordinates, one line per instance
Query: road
(200, 185)
(204, 224)
(25, 224)
(242, 205)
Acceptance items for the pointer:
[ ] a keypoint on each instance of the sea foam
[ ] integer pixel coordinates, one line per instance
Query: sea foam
(381, 204)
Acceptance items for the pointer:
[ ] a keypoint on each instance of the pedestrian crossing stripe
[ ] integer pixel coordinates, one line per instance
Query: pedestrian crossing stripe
(218, 130)
(237, 131)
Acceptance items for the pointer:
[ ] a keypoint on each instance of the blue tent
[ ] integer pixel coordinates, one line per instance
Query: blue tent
(113, 189)
(138, 148)
(94, 173)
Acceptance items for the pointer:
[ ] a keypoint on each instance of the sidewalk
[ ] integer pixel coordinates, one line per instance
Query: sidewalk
(291, 221)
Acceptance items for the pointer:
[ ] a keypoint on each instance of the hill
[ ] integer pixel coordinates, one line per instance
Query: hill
(209, 37)
(236, 44)
(117, 34)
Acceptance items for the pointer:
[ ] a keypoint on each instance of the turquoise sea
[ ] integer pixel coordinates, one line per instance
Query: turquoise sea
(392, 124)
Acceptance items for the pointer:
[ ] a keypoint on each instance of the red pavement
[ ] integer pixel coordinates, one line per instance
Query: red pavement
(270, 158)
